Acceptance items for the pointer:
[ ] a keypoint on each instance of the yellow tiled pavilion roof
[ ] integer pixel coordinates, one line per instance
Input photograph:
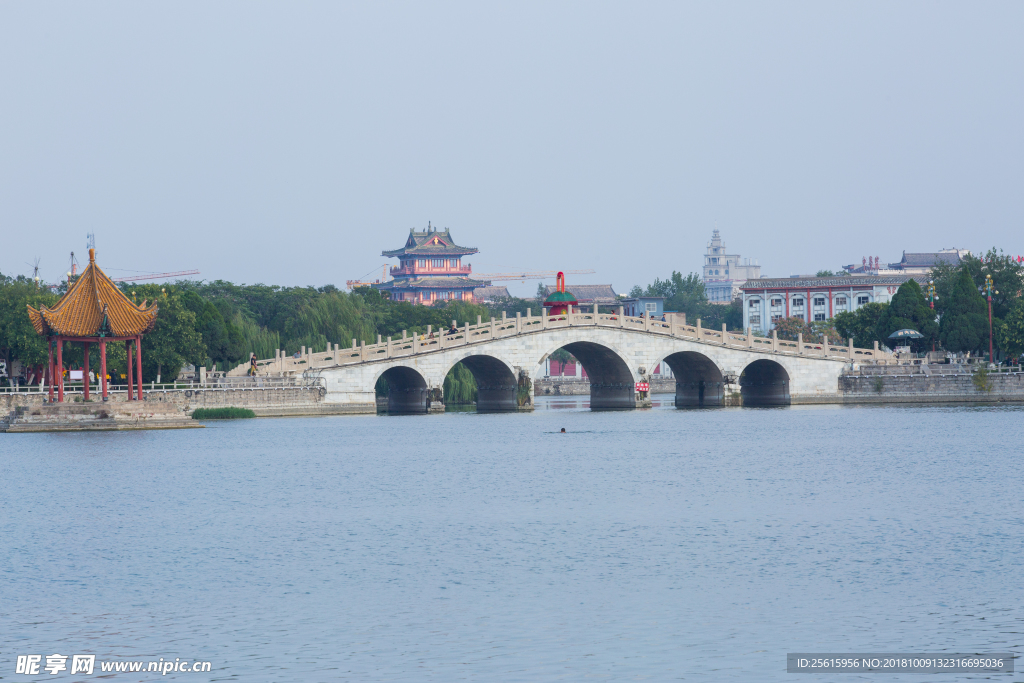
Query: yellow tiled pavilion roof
(80, 312)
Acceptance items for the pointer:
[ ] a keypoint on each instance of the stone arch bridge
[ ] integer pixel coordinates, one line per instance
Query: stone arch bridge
(712, 367)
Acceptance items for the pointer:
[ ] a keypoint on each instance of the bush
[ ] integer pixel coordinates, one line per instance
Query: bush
(981, 380)
(221, 413)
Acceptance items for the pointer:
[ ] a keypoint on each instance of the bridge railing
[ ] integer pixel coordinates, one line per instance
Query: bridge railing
(481, 332)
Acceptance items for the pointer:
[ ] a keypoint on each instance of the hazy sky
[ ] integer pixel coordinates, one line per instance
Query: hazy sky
(289, 143)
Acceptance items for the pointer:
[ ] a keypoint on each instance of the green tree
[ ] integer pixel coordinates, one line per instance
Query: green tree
(789, 328)
(824, 273)
(1007, 277)
(819, 329)
(908, 310)
(174, 340)
(860, 325)
(459, 385)
(223, 338)
(687, 295)
(18, 339)
(510, 305)
(1010, 331)
(964, 323)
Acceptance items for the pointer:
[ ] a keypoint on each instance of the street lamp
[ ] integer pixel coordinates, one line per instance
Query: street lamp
(989, 291)
(932, 298)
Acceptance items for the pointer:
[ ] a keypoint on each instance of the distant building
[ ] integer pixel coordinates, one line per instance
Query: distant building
(653, 306)
(724, 273)
(767, 300)
(588, 295)
(430, 269)
(922, 264)
(911, 264)
(485, 295)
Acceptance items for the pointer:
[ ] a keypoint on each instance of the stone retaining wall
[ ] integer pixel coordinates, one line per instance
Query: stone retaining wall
(265, 402)
(581, 387)
(84, 417)
(930, 389)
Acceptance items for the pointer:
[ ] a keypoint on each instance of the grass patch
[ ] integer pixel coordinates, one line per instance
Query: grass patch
(221, 413)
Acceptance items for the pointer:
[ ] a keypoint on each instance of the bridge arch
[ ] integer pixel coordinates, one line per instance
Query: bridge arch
(407, 390)
(496, 382)
(764, 383)
(612, 385)
(699, 381)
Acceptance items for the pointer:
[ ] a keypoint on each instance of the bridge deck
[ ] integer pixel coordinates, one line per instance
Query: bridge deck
(484, 332)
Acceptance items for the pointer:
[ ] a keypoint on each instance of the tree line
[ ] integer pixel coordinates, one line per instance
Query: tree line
(218, 324)
(957, 323)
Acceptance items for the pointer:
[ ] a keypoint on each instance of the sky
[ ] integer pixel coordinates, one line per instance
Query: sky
(290, 143)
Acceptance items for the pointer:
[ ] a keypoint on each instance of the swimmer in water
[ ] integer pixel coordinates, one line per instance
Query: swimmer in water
(563, 430)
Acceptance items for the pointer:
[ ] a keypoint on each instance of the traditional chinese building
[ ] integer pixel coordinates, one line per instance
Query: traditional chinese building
(430, 269)
(94, 311)
(912, 263)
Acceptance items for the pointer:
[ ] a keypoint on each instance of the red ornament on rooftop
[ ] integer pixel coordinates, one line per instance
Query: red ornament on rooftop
(560, 300)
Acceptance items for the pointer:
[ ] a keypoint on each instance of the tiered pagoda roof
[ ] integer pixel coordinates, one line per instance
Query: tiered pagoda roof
(433, 283)
(430, 242)
(91, 306)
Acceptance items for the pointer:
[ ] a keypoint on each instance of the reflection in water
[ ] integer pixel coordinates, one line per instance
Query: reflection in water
(654, 544)
(583, 402)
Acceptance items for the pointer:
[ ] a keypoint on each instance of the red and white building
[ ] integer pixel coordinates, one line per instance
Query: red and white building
(767, 300)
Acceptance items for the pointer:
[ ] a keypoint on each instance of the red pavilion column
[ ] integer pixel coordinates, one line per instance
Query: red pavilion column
(128, 372)
(60, 370)
(138, 362)
(103, 369)
(49, 369)
(85, 370)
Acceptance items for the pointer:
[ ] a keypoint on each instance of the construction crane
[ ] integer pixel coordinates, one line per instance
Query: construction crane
(352, 284)
(155, 276)
(529, 275)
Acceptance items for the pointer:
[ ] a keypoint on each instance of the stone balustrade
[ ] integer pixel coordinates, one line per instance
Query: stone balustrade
(483, 332)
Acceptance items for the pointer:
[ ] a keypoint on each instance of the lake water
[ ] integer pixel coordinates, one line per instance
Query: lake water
(656, 545)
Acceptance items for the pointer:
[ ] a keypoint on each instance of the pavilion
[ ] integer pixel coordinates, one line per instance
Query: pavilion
(94, 311)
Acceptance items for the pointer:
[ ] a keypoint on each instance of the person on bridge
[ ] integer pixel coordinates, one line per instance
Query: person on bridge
(453, 329)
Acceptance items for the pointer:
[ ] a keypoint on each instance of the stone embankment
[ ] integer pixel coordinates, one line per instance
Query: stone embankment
(573, 386)
(930, 384)
(265, 401)
(88, 417)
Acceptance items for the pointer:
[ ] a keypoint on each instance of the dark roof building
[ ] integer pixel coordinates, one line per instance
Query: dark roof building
(431, 242)
(927, 261)
(488, 294)
(912, 263)
(430, 269)
(589, 294)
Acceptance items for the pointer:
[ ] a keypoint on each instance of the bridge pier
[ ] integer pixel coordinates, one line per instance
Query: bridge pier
(496, 398)
(699, 393)
(612, 396)
(407, 401)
